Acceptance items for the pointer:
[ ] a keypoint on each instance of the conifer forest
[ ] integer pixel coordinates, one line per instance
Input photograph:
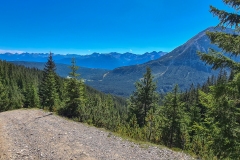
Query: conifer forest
(203, 120)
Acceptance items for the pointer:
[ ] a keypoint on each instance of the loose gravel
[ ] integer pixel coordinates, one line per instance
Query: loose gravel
(36, 134)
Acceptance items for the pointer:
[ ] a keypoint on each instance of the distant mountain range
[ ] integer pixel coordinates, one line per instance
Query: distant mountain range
(96, 60)
(182, 66)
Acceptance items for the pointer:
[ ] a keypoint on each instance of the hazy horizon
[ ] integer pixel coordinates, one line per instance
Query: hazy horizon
(85, 27)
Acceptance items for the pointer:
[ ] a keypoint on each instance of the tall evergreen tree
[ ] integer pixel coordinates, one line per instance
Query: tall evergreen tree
(75, 93)
(48, 89)
(144, 98)
(229, 42)
(223, 99)
(31, 97)
(174, 119)
(222, 118)
(3, 97)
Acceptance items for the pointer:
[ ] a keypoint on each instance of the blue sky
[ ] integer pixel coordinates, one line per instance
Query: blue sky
(87, 26)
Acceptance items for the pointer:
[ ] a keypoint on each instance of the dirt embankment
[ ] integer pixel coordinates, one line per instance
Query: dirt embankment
(35, 134)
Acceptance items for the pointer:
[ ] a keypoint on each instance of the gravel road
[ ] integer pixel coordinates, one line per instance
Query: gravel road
(35, 134)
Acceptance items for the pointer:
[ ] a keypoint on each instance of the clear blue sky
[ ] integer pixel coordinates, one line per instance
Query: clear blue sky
(87, 26)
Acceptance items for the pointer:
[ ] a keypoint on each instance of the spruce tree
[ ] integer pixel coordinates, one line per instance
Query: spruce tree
(75, 94)
(144, 98)
(48, 89)
(31, 97)
(174, 119)
(152, 128)
(228, 42)
(223, 99)
(3, 97)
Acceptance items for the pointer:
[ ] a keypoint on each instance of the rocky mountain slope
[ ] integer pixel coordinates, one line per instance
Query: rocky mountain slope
(35, 134)
(182, 66)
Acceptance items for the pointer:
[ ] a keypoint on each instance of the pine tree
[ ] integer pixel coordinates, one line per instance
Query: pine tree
(3, 97)
(229, 42)
(31, 97)
(144, 98)
(35, 98)
(223, 99)
(75, 94)
(152, 127)
(48, 89)
(174, 120)
(221, 124)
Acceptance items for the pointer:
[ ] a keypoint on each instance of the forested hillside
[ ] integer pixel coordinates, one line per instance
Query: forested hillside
(20, 88)
(87, 74)
(203, 120)
(178, 120)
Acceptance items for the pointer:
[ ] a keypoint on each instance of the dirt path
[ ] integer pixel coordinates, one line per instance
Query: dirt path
(4, 154)
(35, 134)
